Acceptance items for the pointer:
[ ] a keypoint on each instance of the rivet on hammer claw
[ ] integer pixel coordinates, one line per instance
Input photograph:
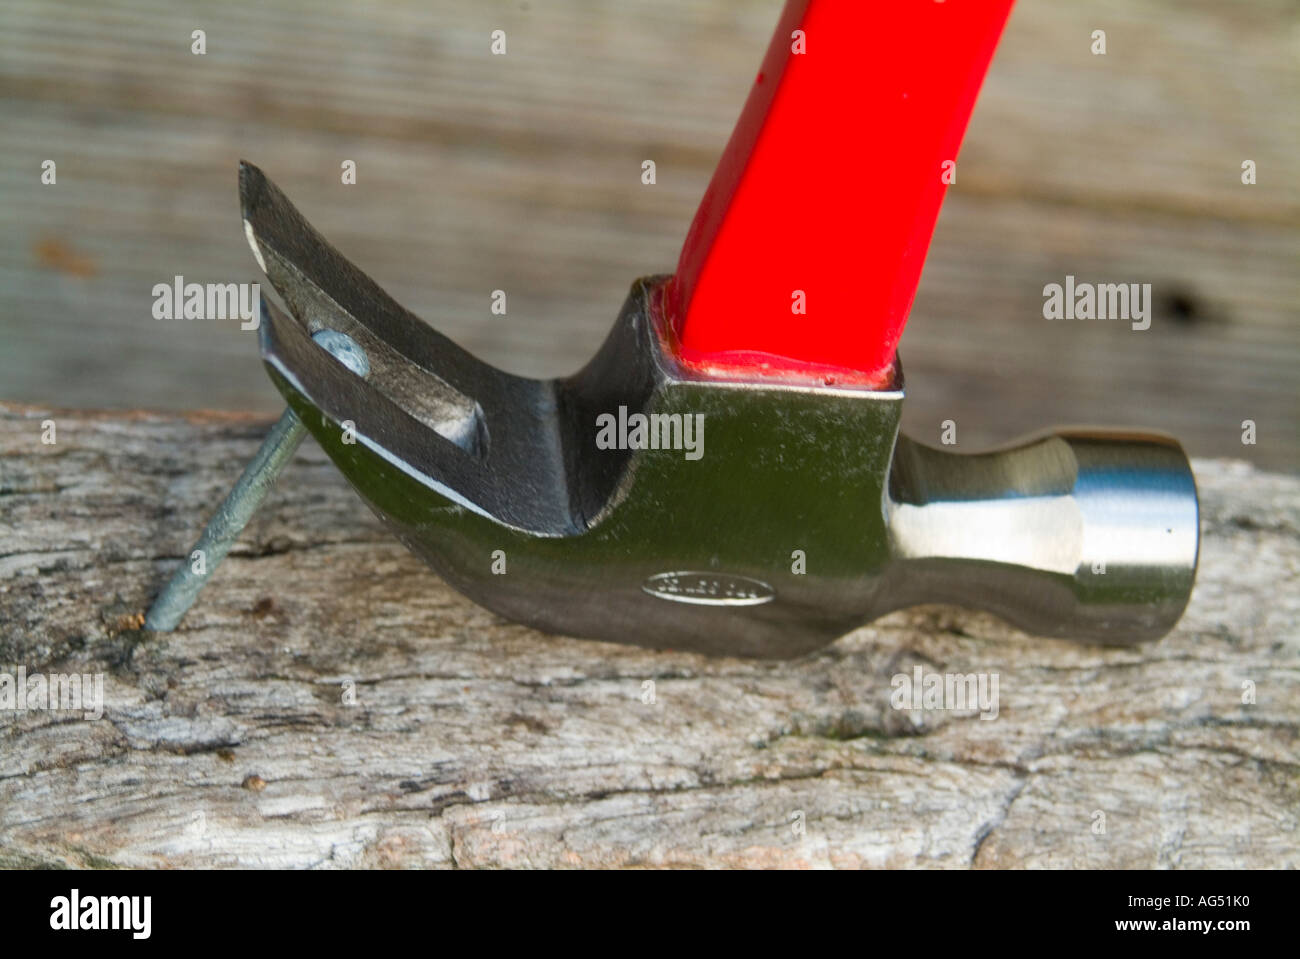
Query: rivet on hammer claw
(245, 497)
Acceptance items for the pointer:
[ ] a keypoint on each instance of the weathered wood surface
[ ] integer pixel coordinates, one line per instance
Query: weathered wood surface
(475, 742)
(522, 173)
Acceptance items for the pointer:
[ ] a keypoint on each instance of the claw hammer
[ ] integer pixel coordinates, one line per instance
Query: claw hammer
(805, 513)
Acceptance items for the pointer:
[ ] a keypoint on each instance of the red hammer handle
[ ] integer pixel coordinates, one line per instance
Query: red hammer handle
(808, 245)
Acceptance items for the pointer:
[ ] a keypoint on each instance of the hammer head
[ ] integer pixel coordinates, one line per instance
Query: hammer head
(753, 514)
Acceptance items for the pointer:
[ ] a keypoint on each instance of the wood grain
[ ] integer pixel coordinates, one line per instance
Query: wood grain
(522, 173)
(474, 742)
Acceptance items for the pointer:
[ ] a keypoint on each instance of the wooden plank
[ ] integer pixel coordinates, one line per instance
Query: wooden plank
(476, 742)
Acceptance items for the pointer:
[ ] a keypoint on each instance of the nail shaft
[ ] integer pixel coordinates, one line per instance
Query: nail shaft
(227, 523)
(245, 497)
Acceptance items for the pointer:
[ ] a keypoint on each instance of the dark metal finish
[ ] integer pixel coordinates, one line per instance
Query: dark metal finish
(805, 517)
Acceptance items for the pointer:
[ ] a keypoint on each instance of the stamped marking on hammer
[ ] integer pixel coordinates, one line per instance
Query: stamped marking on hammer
(709, 589)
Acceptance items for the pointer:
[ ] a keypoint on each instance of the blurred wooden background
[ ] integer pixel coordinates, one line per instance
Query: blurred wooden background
(522, 172)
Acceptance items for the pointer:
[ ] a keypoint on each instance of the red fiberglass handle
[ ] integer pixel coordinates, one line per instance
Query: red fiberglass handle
(807, 248)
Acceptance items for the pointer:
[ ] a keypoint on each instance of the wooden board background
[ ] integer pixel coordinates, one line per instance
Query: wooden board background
(521, 173)
(474, 742)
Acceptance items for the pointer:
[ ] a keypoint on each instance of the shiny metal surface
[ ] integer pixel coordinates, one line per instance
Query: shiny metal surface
(1081, 533)
(806, 515)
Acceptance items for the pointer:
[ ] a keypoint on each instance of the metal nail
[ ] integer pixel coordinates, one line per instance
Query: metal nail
(244, 498)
